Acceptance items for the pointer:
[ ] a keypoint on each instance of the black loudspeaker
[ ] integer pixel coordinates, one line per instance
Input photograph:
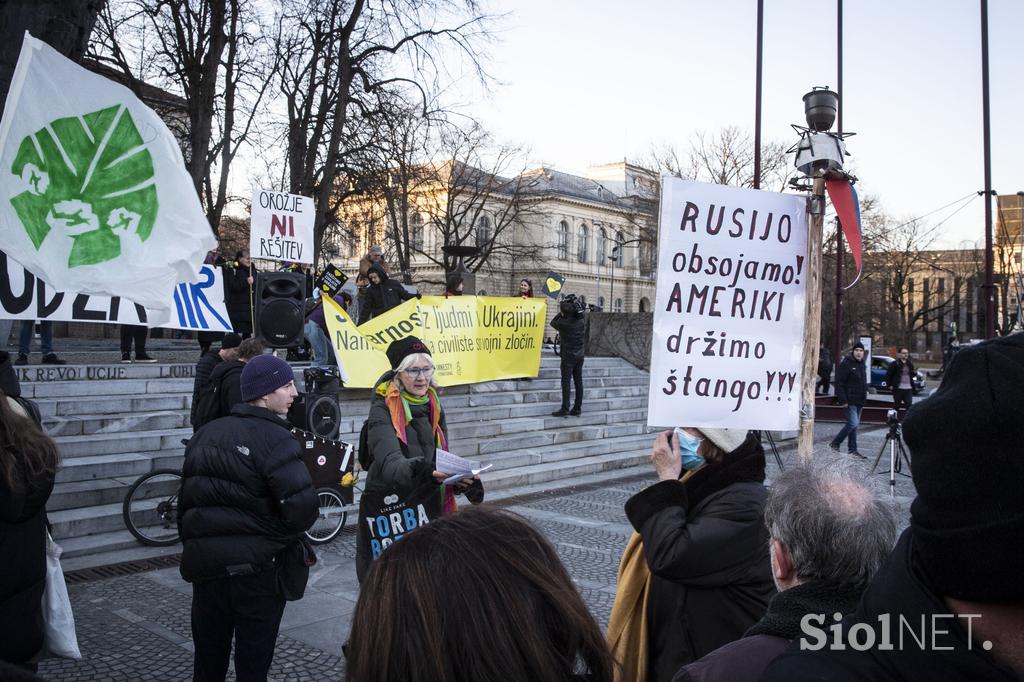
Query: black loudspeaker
(280, 297)
(317, 410)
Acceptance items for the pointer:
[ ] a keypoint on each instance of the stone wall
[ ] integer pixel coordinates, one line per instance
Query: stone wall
(624, 335)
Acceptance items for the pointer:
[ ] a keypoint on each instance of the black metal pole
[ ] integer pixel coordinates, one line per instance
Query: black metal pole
(837, 343)
(990, 312)
(757, 96)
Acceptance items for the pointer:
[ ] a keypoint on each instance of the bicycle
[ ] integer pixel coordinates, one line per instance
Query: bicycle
(333, 511)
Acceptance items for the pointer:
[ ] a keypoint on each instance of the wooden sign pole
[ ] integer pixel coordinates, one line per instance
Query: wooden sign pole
(812, 317)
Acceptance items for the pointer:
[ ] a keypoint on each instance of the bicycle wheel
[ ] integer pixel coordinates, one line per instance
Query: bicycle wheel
(331, 518)
(150, 508)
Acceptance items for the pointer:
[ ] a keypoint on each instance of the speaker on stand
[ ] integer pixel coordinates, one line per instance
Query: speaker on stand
(280, 312)
(317, 410)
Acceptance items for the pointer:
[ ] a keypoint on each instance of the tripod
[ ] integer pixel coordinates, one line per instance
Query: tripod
(761, 435)
(897, 453)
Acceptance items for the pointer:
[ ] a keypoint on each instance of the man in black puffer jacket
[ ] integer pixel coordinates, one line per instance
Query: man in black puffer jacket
(246, 496)
(851, 393)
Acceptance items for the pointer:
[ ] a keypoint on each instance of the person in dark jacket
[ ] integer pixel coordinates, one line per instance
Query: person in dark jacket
(951, 592)
(228, 375)
(382, 295)
(829, 534)
(405, 428)
(825, 366)
(571, 324)
(900, 377)
(204, 368)
(239, 296)
(246, 496)
(698, 564)
(28, 464)
(454, 286)
(851, 393)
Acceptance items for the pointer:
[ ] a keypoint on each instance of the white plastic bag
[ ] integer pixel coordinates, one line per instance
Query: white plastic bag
(58, 620)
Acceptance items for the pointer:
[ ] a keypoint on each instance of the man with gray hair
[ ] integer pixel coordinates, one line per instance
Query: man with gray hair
(829, 534)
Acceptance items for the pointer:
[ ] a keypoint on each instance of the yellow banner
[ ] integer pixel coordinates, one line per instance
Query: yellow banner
(471, 338)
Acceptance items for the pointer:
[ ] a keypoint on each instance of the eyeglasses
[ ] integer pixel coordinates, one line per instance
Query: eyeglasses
(419, 371)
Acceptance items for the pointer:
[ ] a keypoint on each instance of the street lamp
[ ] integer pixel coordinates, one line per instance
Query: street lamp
(614, 257)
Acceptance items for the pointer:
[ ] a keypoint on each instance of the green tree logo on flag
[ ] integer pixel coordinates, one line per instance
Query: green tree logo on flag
(90, 178)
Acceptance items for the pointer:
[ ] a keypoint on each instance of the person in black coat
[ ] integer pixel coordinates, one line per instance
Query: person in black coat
(851, 393)
(571, 324)
(705, 545)
(829, 534)
(824, 370)
(204, 368)
(28, 464)
(382, 295)
(951, 591)
(900, 378)
(239, 295)
(246, 498)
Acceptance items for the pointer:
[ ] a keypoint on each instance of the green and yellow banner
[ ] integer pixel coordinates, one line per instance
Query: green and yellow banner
(471, 338)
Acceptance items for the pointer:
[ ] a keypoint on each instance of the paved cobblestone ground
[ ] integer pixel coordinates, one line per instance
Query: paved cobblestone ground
(137, 627)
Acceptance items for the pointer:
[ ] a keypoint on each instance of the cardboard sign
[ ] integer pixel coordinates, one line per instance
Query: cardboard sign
(282, 227)
(729, 310)
(553, 285)
(331, 280)
(197, 306)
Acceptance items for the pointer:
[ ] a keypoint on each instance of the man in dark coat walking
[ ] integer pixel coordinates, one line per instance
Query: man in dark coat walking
(900, 378)
(246, 496)
(571, 324)
(829, 534)
(948, 603)
(851, 393)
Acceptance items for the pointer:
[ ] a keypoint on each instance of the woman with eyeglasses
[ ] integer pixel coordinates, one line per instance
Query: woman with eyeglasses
(405, 428)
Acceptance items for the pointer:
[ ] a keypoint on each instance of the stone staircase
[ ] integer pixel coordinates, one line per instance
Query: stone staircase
(115, 423)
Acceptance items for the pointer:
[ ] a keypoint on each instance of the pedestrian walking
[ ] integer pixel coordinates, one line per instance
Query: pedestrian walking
(246, 499)
(900, 378)
(851, 393)
(696, 574)
(28, 465)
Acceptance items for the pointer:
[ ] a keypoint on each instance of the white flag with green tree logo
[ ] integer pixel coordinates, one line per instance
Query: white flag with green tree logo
(95, 197)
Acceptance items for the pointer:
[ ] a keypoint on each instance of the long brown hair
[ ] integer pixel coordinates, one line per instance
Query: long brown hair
(25, 449)
(476, 595)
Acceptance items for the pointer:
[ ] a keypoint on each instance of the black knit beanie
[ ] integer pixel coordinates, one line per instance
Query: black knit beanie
(967, 457)
(399, 349)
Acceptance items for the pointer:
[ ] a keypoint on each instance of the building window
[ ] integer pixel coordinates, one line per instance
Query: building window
(353, 244)
(620, 240)
(563, 240)
(618, 305)
(600, 302)
(416, 228)
(582, 244)
(483, 231)
(602, 247)
(646, 258)
(644, 304)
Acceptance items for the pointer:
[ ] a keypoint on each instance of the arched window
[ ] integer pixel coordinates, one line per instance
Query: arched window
(602, 248)
(353, 241)
(582, 243)
(416, 231)
(644, 304)
(563, 240)
(620, 240)
(483, 231)
(618, 305)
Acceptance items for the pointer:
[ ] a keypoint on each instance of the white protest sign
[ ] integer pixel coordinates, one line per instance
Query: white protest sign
(94, 194)
(729, 311)
(282, 227)
(196, 306)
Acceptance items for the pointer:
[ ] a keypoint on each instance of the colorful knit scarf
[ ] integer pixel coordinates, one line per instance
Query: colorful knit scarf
(398, 402)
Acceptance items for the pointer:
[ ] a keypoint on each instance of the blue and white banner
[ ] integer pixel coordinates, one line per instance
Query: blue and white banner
(196, 306)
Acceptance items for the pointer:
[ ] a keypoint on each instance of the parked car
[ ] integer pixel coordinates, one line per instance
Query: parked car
(879, 368)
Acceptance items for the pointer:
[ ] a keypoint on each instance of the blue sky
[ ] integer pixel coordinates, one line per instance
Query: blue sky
(593, 81)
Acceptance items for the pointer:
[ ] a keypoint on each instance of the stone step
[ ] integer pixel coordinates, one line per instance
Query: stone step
(549, 471)
(89, 493)
(64, 407)
(119, 545)
(556, 452)
(89, 424)
(72, 447)
(127, 388)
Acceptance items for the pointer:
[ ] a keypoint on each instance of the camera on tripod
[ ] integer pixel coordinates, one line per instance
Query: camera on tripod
(892, 418)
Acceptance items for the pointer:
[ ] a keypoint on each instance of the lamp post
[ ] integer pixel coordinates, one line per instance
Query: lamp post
(614, 257)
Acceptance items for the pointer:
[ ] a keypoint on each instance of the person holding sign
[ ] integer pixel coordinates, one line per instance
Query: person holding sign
(696, 574)
(239, 295)
(405, 428)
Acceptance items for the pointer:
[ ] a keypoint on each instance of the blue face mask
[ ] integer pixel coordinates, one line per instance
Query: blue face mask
(688, 446)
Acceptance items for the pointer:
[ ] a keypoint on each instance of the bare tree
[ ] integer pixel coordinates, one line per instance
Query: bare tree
(725, 157)
(212, 53)
(339, 54)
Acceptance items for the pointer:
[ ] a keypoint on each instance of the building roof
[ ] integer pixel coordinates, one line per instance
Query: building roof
(546, 181)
